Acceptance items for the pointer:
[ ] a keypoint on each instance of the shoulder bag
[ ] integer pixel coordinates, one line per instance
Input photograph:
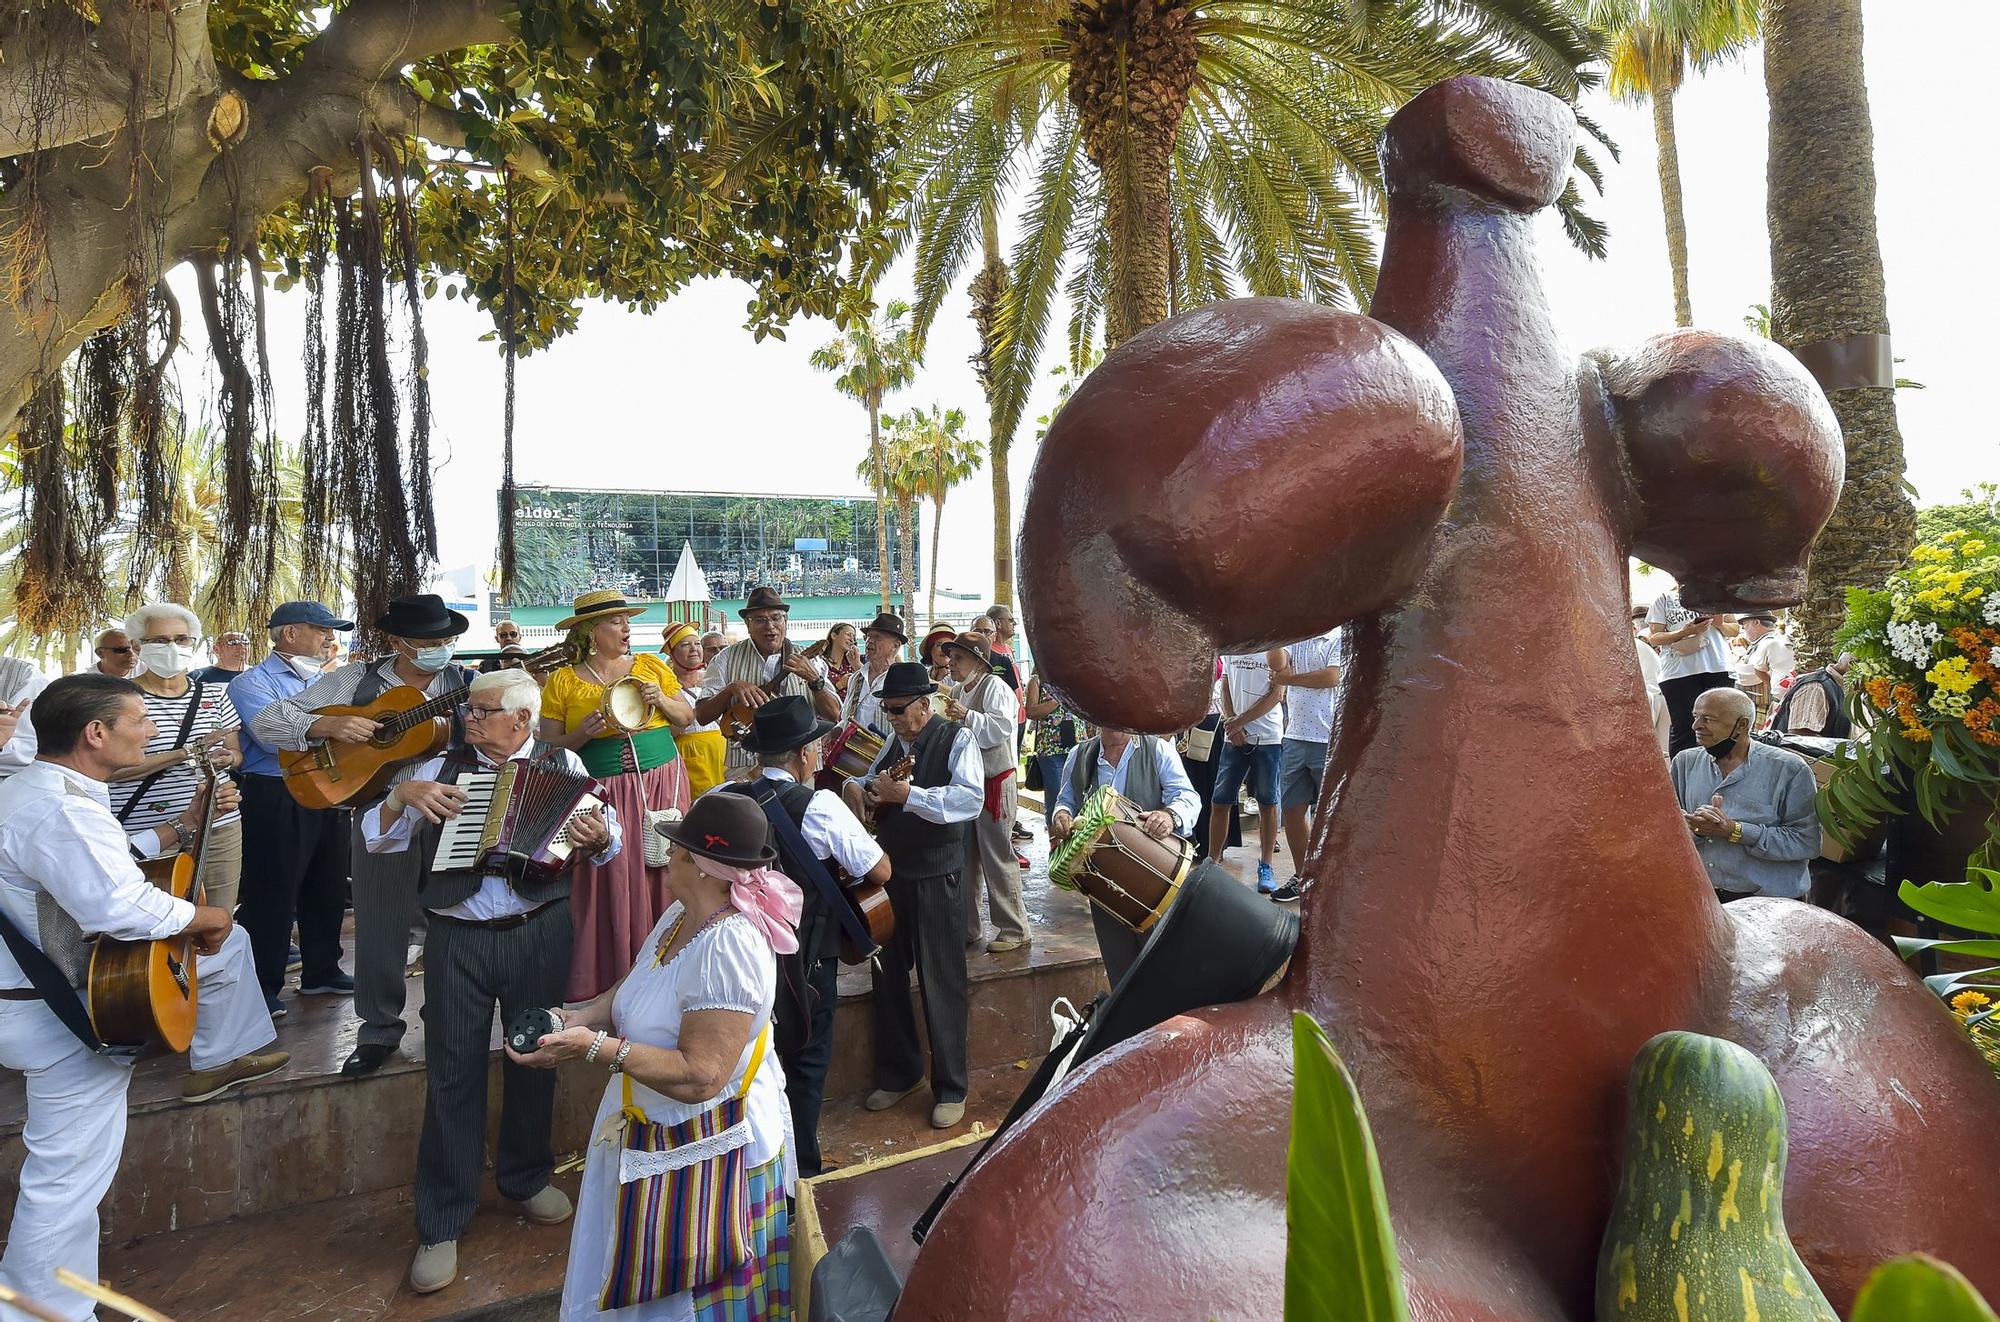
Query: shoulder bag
(683, 1209)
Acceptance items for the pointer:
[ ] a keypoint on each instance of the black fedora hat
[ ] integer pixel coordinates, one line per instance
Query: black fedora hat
(783, 724)
(906, 679)
(764, 599)
(421, 616)
(890, 623)
(729, 828)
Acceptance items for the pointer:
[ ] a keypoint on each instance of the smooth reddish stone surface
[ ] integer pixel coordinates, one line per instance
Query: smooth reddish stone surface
(1508, 901)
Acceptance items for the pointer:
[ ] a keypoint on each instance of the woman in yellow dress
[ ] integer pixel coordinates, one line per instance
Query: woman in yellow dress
(702, 746)
(640, 770)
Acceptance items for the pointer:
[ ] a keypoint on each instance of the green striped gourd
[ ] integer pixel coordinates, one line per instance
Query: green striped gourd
(1698, 1228)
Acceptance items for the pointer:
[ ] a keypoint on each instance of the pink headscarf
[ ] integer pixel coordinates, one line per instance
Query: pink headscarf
(771, 900)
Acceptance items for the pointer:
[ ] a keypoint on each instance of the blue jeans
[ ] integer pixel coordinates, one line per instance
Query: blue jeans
(1257, 763)
(1052, 765)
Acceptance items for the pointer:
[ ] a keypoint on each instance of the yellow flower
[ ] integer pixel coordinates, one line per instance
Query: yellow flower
(1970, 1002)
(1971, 548)
(1953, 535)
(1953, 675)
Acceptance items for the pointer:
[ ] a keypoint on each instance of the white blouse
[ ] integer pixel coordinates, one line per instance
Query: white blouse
(727, 966)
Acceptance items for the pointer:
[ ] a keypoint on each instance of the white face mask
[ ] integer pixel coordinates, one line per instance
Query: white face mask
(166, 659)
(433, 659)
(307, 667)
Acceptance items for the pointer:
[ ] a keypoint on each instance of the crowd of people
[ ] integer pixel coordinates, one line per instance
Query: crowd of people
(689, 941)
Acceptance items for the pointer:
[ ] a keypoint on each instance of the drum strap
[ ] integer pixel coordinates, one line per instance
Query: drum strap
(797, 852)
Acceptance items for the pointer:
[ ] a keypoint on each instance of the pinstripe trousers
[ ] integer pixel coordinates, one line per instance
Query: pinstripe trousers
(386, 918)
(469, 970)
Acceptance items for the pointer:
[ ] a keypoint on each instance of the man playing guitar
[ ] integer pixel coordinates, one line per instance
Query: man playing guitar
(419, 634)
(785, 740)
(761, 667)
(66, 871)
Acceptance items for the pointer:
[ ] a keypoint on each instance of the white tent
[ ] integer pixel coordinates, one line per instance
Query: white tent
(688, 583)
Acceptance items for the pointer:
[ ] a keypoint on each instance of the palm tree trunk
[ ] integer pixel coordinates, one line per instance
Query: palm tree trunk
(1827, 283)
(881, 501)
(937, 530)
(988, 287)
(1670, 201)
(906, 516)
(1132, 64)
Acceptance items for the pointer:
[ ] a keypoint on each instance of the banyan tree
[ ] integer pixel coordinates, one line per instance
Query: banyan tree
(521, 156)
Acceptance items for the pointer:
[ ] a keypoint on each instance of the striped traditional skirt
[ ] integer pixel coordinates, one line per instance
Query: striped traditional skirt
(614, 907)
(761, 1289)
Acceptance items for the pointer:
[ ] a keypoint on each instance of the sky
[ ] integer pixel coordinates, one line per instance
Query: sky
(680, 399)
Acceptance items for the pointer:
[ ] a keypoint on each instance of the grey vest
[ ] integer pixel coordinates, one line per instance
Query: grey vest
(1142, 777)
(441, 890)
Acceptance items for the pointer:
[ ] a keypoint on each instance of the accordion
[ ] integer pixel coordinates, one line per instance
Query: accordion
(516, 820)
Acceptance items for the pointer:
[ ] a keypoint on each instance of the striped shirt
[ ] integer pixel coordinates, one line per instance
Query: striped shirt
(171, 793)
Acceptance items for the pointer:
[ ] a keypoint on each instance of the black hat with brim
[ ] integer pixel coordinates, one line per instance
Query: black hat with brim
(421, 616)
(906, 679)
(729, 828)
(783, 724)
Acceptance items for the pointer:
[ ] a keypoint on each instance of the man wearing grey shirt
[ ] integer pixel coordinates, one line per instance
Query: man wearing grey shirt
(1749, 805)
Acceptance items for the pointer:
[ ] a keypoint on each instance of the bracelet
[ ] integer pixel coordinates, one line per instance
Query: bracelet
(618, 1061)
(595, 1043)
(1736, 833)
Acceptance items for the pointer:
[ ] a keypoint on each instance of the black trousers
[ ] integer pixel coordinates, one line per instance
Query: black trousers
(467, 971)
(930, 938)
(808, 991)
(1680, 695)
(294, 869)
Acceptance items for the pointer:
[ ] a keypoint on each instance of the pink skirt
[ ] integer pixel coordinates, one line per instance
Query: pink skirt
(614, 907)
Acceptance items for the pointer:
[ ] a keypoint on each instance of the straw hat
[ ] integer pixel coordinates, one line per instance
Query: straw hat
(600, 605)
(678, 633)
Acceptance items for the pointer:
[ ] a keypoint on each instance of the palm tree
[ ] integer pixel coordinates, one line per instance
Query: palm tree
(1172, 152)
(180, 561)
(1828, 292)
(903, 483)
(943, 456)
(1654, 45)
(872, 359)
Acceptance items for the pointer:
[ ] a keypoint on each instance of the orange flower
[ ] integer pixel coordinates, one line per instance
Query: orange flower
(1989, 737)
(1878, 692)
(1967, 641)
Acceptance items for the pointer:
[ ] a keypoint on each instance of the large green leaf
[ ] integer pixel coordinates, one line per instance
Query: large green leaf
(1919, 1287)
(1973, 905)
(1340, 1255)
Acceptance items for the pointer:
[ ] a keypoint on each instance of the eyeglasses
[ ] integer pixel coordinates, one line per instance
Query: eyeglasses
(117, 651)
(471, 713)
(232, 640)
(178, 640)
(902, 707)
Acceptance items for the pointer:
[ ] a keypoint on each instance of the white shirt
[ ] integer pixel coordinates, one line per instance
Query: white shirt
(960, 799)
(1249, 679)
(993, 714)
(57, 834)
(1309, 711)
(1773, 655)
(863, 703)
(1706, 653)
(831, 831)
(494, 898)
(20, 750)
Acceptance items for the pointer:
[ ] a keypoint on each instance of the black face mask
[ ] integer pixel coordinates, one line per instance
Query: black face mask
(1722, 748)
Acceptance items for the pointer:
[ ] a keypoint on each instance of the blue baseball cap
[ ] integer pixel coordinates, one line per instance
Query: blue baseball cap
(308, 612)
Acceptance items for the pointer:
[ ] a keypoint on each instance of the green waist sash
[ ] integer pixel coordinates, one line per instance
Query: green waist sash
(611, 755)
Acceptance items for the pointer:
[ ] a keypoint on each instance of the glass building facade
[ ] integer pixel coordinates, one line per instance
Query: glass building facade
(571, 540)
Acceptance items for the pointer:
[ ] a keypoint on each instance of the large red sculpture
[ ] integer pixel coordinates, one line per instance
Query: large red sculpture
(1509, 904)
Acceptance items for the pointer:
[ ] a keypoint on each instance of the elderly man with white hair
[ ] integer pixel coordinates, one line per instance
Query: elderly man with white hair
(491, 940)
(158, 800)
(1749, 805)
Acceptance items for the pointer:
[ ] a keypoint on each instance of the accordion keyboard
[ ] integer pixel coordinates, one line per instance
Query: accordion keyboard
(459, 839)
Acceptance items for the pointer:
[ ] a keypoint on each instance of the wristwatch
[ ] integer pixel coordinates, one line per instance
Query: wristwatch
(618, 1061)
(1736, 833)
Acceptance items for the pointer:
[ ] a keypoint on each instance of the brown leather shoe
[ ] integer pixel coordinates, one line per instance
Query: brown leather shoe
(201, 1085)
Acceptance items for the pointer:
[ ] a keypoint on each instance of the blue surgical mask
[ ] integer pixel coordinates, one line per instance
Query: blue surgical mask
(433, 659)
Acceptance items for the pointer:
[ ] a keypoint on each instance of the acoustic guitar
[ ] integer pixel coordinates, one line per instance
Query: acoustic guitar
(868, 900)
(140, 992)
(741, 717)
(408, 727)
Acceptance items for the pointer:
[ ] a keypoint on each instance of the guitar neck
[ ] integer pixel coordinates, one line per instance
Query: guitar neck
(428, 709)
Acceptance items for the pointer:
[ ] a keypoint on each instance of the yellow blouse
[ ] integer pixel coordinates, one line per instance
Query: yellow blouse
(571, 694)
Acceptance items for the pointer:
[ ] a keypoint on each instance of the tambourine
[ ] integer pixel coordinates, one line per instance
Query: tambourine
(624, 707)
